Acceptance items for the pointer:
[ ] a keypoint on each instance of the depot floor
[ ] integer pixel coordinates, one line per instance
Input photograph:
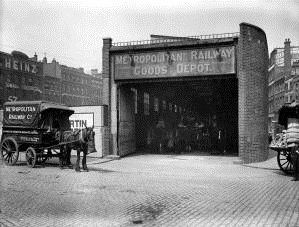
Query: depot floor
(150, 190)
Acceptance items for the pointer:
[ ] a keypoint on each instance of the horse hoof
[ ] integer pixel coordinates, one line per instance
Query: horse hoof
(77, 170)
(86, 170)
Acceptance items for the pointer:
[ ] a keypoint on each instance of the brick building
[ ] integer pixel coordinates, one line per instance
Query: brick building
(20, 77)
(71, 86)
(219, 81)
(24, 78)
(283, 81)
(79, 88)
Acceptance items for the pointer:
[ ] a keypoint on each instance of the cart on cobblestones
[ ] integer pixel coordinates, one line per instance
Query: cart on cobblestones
(286, 143)
(36, 128)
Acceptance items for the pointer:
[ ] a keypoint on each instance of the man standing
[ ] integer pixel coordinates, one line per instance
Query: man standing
(295, 156)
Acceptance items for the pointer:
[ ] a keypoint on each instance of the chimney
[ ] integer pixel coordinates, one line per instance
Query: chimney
(35, 56)
(94, 72)
(287, 58)
(45, 60)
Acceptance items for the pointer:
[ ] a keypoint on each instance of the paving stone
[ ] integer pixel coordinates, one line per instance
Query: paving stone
(150, 190)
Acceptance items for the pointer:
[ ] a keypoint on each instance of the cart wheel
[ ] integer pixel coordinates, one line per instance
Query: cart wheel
(31, 157)
(285, 161)
(9, 151)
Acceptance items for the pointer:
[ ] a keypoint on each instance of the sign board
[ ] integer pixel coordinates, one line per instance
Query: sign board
(179, 63)
(21, 114)
(9, 62)
(81, 120)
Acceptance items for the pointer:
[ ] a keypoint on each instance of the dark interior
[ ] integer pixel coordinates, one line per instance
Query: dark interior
(207, 107)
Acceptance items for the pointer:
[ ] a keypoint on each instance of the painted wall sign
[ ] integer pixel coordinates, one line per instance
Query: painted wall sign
(81, 120)
(9, 62)
(193, 62)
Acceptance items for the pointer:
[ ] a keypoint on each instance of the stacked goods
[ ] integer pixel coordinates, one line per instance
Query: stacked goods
(279, 141)
(292, 133)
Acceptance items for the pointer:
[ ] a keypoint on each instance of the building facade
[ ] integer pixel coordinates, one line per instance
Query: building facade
(20, 77)
(219, 80)
(79, 88)
(70, 86)
(24, 78)
(283, 81)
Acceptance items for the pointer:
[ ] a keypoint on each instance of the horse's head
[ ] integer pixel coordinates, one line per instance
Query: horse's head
(89, 138)
(87, 134)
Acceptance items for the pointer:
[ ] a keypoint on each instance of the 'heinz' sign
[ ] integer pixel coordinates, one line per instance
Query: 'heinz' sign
(19, 65)
(192, 62)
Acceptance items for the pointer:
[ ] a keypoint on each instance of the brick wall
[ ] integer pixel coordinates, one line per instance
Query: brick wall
(253, 93)
(107, 145)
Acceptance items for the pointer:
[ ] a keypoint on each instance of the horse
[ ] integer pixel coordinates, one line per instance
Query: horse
(79, 140)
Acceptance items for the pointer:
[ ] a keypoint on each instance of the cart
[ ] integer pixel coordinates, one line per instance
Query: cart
(33, 127)
(287, 143)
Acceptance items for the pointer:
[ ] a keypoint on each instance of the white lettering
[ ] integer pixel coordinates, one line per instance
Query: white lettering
(15, 64)
(223, 54)
(150, 70)
(193, 55)
(118, 60)
(27, 68)
(7, 63)
(147, 58)
(193, 68)
(34, 69)
(229, 52)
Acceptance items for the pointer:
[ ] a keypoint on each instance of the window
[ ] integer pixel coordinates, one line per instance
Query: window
(170, 107)
(164, 105)
(146, 103)
(156, 104)
(134, 90)
(30, 81)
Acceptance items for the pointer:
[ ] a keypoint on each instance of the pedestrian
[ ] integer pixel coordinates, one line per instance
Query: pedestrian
(295, 157)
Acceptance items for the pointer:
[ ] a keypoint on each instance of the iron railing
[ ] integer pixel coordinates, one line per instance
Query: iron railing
(177, 39)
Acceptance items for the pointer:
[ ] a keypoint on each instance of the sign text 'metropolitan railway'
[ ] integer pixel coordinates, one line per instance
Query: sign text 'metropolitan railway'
(192, 62)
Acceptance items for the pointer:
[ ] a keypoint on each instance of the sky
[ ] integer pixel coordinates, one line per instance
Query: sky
(72, 32)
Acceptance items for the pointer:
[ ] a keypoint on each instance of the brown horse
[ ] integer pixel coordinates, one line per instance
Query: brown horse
(79, 140)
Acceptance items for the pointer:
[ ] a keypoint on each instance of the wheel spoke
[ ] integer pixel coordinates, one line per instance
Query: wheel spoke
(14, 155)
(7, 157)
(5, 146)
(282, 164)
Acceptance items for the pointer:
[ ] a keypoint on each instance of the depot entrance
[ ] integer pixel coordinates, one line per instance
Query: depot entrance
(178, 116)
(210, 90)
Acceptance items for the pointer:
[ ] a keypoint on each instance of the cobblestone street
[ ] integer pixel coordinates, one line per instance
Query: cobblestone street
(150, 190)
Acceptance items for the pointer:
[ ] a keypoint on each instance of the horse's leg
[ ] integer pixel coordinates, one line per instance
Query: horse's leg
(78, 161)
(61, 157)
(68, 157)
(84, 159)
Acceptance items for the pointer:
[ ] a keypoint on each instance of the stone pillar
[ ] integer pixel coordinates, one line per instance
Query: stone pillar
(253, 93)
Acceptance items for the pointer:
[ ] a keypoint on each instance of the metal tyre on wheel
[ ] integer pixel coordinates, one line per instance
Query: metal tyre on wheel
(285, 161)
(9, 151)
(31, 157)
